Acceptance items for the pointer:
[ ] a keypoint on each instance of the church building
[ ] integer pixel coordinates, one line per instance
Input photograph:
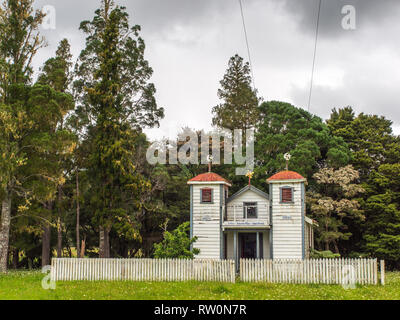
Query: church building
(251, 223)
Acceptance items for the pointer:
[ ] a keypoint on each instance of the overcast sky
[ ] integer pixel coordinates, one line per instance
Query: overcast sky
(189, 43)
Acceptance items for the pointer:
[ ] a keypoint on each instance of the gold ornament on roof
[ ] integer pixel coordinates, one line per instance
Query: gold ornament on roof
(250, 175)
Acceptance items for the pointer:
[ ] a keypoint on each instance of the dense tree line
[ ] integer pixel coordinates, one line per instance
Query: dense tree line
(74, 179)
(351, 163)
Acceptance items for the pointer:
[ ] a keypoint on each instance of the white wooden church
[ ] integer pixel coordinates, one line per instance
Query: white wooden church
(250, 223)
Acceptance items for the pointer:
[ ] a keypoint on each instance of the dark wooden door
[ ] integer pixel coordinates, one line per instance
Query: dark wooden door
(248, 244)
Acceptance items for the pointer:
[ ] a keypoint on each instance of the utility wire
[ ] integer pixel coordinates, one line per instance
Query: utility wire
(315, 54)
(247, 44)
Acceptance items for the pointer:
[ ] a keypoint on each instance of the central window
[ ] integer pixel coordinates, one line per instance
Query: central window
(250, 210)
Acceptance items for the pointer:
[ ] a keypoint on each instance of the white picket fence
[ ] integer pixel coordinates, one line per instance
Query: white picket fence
(326, 271)
(66, 269)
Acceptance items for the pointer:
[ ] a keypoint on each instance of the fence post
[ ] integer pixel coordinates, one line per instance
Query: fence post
(382, 272)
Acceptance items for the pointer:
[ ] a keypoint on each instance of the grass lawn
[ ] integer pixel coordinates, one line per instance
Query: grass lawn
(25, 285)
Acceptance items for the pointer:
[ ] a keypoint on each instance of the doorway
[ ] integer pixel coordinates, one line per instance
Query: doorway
(248, 245)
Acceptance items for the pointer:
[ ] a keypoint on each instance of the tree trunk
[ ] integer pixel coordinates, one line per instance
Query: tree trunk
(59, 239)
(5, 231)
(15, 258)
(104, 243)
(101, 242)
(107, 243)
(83, 247)
(46, 238)
(69, 251)
(78, 249)
(336, 247)
(59, 226)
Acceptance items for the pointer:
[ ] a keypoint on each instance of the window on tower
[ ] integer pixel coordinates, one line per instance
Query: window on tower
(206, 195)
(286, 195)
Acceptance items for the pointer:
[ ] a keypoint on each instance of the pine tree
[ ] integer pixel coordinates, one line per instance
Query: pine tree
(56, 71)
(116, 101)
(32, 140)
(376, 154)
(370, 137)
(50, 145)
(382, 230)
(239, 109)
(56, 74)
(19, 42)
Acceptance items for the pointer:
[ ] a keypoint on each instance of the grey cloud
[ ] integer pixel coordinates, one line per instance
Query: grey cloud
(368, 12)
(190, 41)
(370, 97)
(153, 14)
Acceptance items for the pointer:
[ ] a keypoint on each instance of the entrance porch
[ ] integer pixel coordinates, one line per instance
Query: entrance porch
(246, 244)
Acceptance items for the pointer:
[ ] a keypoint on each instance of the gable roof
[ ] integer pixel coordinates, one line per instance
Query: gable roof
(286, 175)
(249, 187)
(209, 177)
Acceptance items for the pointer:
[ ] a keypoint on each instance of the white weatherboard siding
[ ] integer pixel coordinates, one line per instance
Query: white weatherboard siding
(287, 219)
(206, 222)
(248, 196)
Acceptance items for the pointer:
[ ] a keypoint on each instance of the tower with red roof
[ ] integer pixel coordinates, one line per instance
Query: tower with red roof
(287, 215)
(208, 194)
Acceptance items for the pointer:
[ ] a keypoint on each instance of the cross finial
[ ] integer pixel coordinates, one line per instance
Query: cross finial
(209, 160)
(249, 174)
(287, 157)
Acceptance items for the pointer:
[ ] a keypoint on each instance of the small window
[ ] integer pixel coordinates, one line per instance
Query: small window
(206, 195)
(250, 210)
(286, 195)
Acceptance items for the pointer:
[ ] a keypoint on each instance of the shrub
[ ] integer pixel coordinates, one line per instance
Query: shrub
(176, 244)
(314, 254)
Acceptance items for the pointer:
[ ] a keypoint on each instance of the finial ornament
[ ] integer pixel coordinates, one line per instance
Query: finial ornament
(209, 160)
(287, 157)
(250, 175)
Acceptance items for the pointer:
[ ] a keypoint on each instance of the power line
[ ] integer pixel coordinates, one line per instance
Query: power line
(247, 44)
(315, 54)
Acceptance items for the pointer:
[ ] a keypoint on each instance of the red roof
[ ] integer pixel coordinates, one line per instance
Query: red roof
(207, 177)
(286, 175)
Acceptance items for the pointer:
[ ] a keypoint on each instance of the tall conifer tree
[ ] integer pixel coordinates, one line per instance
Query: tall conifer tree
(239, 109)
(116, 101)
(56, 74)
(19, 42)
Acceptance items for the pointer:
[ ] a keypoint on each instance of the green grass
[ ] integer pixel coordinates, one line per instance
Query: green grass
(27, 286)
